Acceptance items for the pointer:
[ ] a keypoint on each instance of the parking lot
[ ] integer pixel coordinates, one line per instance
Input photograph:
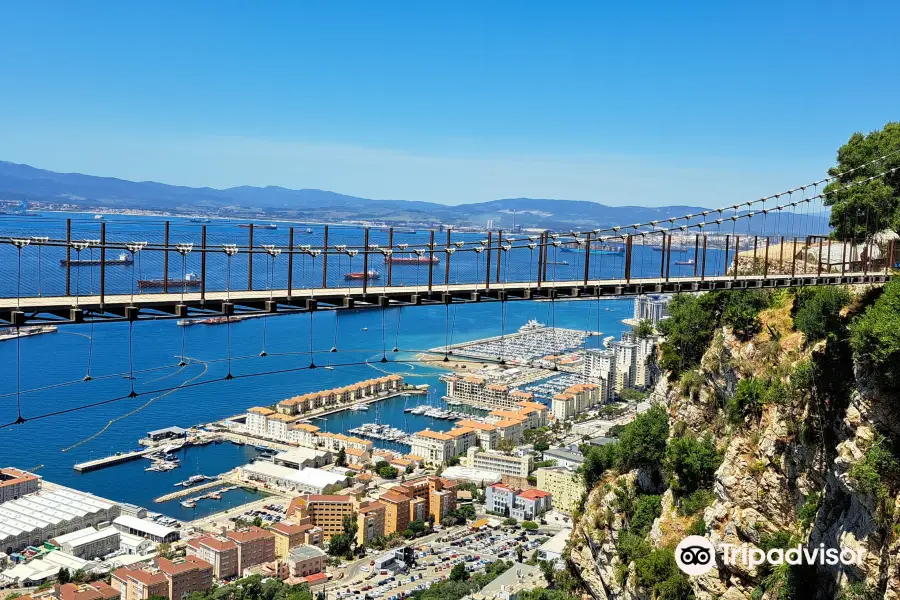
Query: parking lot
(435, 562)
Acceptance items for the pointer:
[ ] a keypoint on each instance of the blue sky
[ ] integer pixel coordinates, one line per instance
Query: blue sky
(651, 103)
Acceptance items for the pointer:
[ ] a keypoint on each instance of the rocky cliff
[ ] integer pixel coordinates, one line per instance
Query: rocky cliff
(791, 472)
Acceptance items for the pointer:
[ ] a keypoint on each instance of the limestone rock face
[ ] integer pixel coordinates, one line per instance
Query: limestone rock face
(770, 471)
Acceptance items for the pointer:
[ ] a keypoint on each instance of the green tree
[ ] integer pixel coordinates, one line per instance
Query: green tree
(817, 311)
(63, 576)
(341, 459)
(867, 207)
(659, 572)
(529, 525)
(506, 445)
(691, 463)
(875, 338)
(541, 445)
(258, 522)
(349, 526)
(339, 545)
(688, 331)
(459, 572)
(520, 553)
(643, 442)
(643, 329)
(646, 510)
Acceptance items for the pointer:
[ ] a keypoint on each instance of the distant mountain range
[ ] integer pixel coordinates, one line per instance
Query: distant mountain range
(23, 182)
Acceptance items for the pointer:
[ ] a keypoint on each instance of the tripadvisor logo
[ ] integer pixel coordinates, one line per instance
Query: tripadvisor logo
(695, 555)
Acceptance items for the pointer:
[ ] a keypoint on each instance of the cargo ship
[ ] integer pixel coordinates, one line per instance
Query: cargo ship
(596, 249)
(11, 333)
(685, 263)
(360, 275)
(123, 259)
(411, 260)
(260, 226)
(199, 220)
(190, 281)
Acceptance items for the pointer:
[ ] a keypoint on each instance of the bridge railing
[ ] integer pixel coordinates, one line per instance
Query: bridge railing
(89, 257)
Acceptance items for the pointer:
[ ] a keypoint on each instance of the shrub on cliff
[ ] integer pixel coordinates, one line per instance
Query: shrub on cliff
(875, 339)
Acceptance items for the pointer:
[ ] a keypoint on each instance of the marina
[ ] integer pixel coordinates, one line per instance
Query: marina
(12, 333)
(387, 433)
(437, 413)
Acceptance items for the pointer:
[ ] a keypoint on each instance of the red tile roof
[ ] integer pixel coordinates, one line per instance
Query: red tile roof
(533, 494)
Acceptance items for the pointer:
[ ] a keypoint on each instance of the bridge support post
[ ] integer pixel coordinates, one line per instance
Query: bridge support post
(250, 260)
(76, 315)
(662, 256)
(668, 252)
(766, 259)
(290, 268)
(324, 258)
(365, 252)
(102, 264)
(487, 262)
(540, 265)
(68, 257)
(696, 252)
(819, 265)
(628, 247)
(203, 264)
(794, 258)
(430, 260)
(387, 259)
(166, 259)
(737, 254)
(447, 266)
(499, 254)
(587, 258)
(703, 268)
(725, 262)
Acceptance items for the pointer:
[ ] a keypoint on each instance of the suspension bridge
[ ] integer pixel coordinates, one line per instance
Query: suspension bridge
(72, 271)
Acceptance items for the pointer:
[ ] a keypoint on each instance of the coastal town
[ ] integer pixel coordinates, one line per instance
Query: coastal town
(339, 509)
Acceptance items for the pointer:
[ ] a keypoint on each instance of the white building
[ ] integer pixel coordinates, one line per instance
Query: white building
(146, 529)
(298, 458)
(258, 420)
(599, 366)
(653, 308)
(54, 511)
(308, 480)
(433, 446)
(499, 462)
(626, 354)
(89, 543)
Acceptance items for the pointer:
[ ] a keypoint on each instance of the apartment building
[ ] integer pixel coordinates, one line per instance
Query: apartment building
(255, 546)
(653, 308)
(173, 579)
(139, 583)
(370, 388)
(186, 576)
(15, 483)
(258, 420)
(575, 399)
(429, 496)
(370, 522)
(396, 512)
(304, 435)
(324, 511)
(626, 354)
(510, 424)
(97, 590)
(565, 485)
(486, 435)
(287, 535)
(304, 561)
(222, 554)
(522, 505)
(499, 462)
(336, 441)
(433, 446)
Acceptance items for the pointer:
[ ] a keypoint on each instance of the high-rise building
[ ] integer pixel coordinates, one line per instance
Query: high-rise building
(370, 522)
(255, 546)
(325, 511)
(653, 308)
(396, 512)
(222, 554)
(565, 485)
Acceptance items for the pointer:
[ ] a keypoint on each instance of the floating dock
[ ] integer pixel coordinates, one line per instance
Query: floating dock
(109, 461)
(191, 490)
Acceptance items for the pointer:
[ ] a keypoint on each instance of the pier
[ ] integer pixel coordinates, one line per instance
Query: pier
(190, 490)
(109, 461)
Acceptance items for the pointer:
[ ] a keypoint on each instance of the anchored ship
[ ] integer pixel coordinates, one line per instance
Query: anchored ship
(123, 259)
(359, 275)
(411, 260)
(190, 281)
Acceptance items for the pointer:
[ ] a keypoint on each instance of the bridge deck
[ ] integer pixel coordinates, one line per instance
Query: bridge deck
(69, 309)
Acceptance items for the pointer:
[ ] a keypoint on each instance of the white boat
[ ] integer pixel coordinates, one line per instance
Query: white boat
(531, 325)
(359, 407)
(189, 503)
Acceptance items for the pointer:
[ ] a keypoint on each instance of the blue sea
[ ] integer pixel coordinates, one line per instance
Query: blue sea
(52, 367)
